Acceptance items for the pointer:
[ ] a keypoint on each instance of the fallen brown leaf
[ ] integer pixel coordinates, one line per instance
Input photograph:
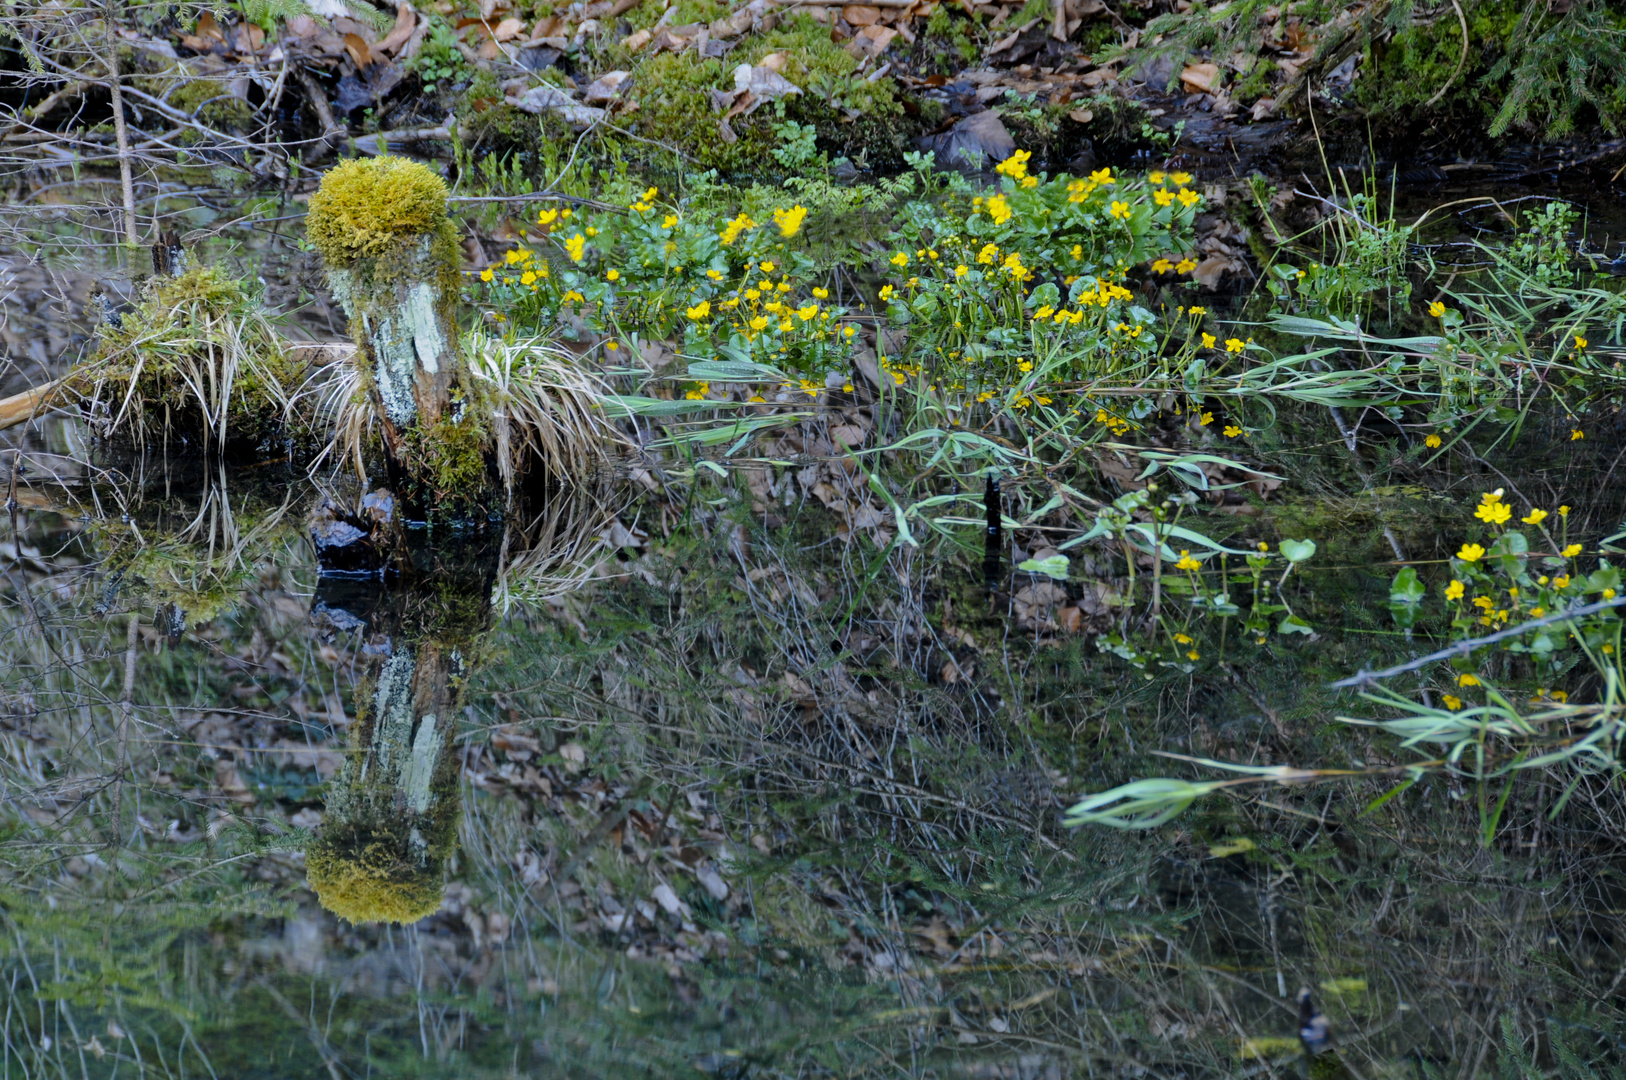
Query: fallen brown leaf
(358, 49)
(1200, 77)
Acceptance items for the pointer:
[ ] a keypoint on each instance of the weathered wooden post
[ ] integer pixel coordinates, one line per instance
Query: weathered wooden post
(392, 258)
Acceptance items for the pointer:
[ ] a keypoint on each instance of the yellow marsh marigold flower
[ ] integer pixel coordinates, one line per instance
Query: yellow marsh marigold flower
(821, 294)
(591, 231)
(1571, 551)
(1534, 517)
(669, 221)
(1194, 655)
(1157, 177)
(1210, 341)
(988, 254)
(1195, 311)
(1180, 178)
(886, 292)
(1466, 679)
(1232, 431)
(1102, 176)
(1432, 442)
(1187, 562)
(486, 275)
(528, 278)
(547, 217)
(699, 311)
(516, 256)
(1078, 191)
(998, 209)
(1234, 345)
(1182, 639)
(1563, 511)
(1206, 419)
(1436, 309)
(731, 232)
(572, 297)
(900, 260)
(1580, 342)
(1455, 590)
(759, 323)
(790, 221)
(1015, 166)
(612, 275)
(1188, 198)
(1452, 702)
(1493, 513)
(1119, 209)
(1163, 197)
(962, 270)
(1185, 266)
(1162, 266)
(807, 312)
(1471, 553)
(1561, 582)
(1576, 434)
(576, 247)
(698, 393)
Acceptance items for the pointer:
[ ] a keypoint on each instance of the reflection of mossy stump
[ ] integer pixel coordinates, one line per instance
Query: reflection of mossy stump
(392, 810)
(392, 259)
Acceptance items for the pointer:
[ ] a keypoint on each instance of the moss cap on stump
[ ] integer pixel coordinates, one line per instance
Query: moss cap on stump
(365, 205)
(366, 877)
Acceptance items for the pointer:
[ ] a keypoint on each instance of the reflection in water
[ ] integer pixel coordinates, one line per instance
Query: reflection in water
(735, 801)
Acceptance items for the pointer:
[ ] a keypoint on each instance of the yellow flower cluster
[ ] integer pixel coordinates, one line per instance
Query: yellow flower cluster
(789, 221)
(1016, 167)
(731, 232)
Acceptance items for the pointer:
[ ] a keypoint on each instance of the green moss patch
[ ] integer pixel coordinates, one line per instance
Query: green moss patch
(366, 205)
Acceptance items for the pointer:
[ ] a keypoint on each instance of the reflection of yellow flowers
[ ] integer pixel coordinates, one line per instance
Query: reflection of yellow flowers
(1187, 562)
(699, 311)
(1431, 441)
(1455, 590)
(1471, 553)
(1466, 679)
(789, 221)
(1452, 702)
(1534, 517)
(576, 247)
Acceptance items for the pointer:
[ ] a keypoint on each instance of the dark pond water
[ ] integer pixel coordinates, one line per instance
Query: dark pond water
(744, 790)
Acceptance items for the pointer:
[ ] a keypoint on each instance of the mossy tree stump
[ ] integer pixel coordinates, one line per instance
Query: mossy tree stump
(392, 258)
